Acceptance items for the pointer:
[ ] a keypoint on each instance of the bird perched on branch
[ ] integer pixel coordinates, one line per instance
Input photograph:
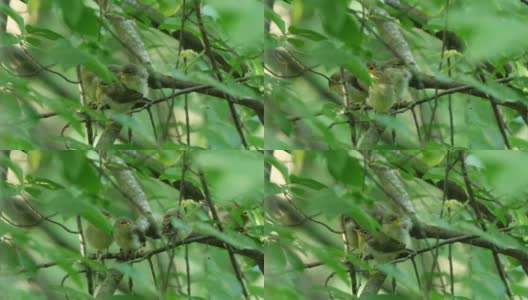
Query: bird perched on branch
(121, 95)
(390, 81)
(98, 238)
(128, 236)
(134, 77)
(130, 86)
(172, 225)
(89, 81)
(357, 90)
(350, 235)
(392, 240)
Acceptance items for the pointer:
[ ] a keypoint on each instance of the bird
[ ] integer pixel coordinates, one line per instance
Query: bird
(392, 240)
(121, 95)
(117, 95)
(128, 236)
(169, 225)
(350, 235)
(89, 81)
(357, 90)
(134, 77)
(98, 238)
(233, 217)
(390, 81)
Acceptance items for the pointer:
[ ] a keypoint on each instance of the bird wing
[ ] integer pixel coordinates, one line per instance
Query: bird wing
(383, 243)
(141, 236)
(120, 94)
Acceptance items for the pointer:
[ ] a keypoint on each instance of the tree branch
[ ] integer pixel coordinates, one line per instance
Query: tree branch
(254, 254)
(160, 81)
(131, 188)
(186, 38)
(424, 231)
(109, 285)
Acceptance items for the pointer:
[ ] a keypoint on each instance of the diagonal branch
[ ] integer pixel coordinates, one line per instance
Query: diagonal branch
(130, 187)
(210, 54)
(186, 38)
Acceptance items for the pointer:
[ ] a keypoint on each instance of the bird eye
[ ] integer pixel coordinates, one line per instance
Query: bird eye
(129, 69)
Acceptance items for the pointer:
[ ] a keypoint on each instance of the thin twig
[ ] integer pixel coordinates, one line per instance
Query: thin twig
(471, 197)
(209, 53)
(219, 225)
(82, 249)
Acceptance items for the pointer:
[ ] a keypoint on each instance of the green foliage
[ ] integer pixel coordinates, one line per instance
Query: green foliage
(304, 253)
(64, 186)
(483, 41)
(60, 36)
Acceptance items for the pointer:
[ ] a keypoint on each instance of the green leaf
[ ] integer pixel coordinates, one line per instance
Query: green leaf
(7, 39)
(171, 23)
(307, 182)
(6, 9)
(306, 33)
(296, 42)
(344, 168)
(65, 53)
(242, 21)
(19, 173)
(272, 189)
(71, 11)
(490, 31)
(279, 166)
(273, 16)
(43, 32)
(99, 69)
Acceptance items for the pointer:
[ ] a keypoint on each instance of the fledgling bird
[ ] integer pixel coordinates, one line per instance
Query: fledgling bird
(350, 235)
(392, 240)
(233, 217)
(390, 83)
(116, 94)
(97, 238)
(170, 228)
(134, 77)
(128, 236)
(89, 81)
(357, 90)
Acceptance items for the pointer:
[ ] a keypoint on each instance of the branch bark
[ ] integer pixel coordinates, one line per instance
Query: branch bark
(188, 40)
(131, 188)
(424, 231)
(110, 284)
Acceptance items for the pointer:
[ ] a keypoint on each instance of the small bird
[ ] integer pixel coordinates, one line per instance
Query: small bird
(390, 83)
(357, 90)
(234, 217)
(174, 233)
(89, 81)
(116, 94)
(134, 77)
(350, 235)
(120, 95)
(392, 240)
(97, 238)
(128, 236)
